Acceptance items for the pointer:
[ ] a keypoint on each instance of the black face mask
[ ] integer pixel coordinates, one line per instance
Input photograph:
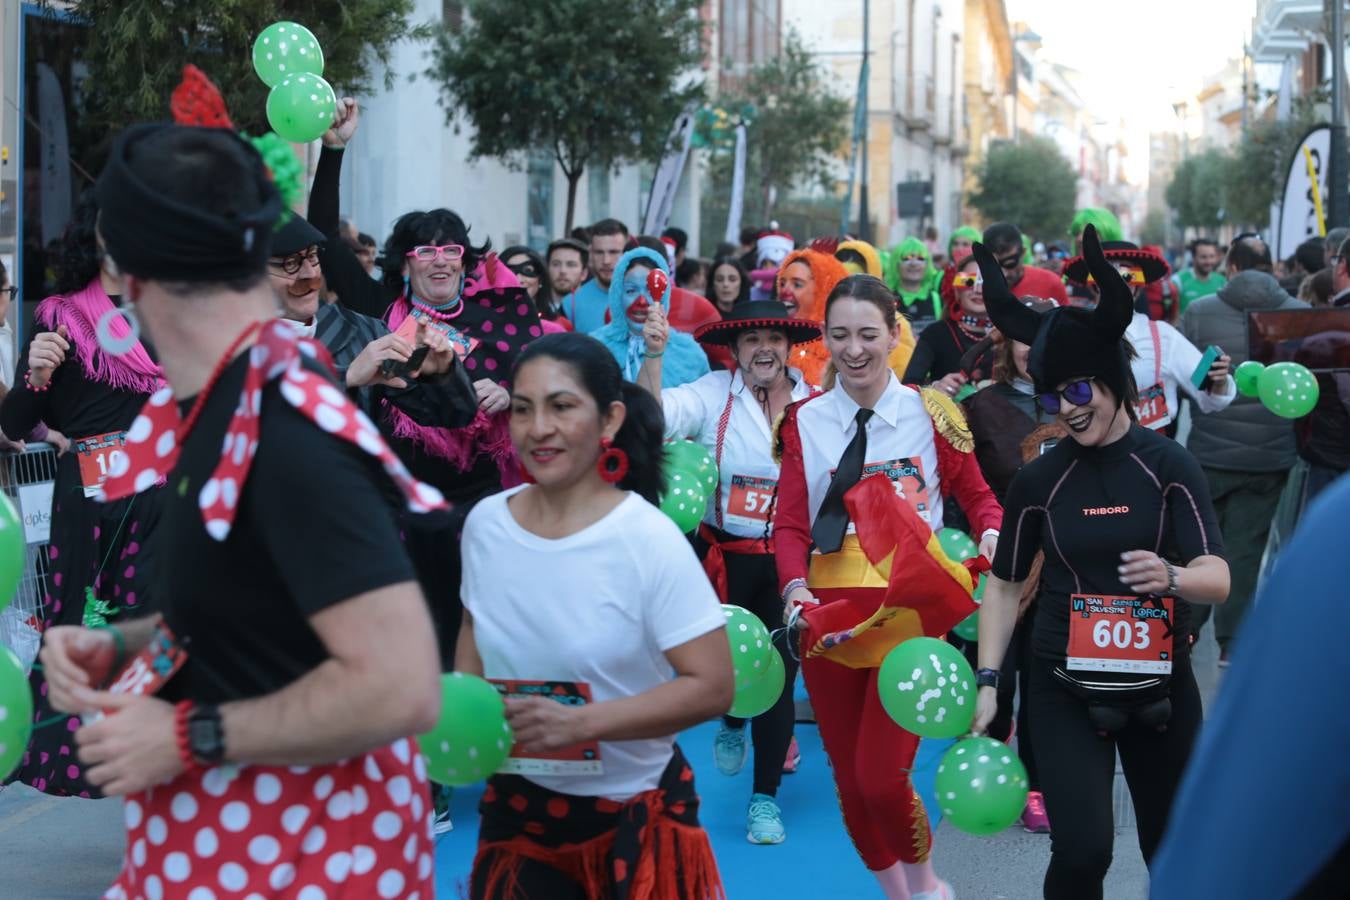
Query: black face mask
(527, 269)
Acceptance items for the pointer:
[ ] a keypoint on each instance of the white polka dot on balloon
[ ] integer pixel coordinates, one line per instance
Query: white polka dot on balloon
(390, 884)
(233, 877)
(267, 788)
(338, 866)
(177, 867)
(282, 877)
(157, 830)
(388, 825)
(205, 844)
(235, 816)
(294, 818)
(183, 807)
(264, 849)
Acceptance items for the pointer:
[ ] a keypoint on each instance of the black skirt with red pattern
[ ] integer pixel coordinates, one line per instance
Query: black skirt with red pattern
(648, 848)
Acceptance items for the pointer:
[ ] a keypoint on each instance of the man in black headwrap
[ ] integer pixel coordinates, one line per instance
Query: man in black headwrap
(294, 652)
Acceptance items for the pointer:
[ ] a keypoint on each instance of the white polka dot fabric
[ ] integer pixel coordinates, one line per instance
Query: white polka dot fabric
(358, 829)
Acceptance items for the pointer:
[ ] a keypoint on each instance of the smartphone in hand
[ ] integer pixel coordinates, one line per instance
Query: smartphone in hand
(1200, 377)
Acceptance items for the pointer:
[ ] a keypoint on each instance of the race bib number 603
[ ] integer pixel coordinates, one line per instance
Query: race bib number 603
(1120, 634)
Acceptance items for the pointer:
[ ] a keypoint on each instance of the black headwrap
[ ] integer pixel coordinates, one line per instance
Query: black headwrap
(1067, 342)
(154, 236)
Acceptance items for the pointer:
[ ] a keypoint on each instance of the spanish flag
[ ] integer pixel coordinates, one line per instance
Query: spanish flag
(887, 584)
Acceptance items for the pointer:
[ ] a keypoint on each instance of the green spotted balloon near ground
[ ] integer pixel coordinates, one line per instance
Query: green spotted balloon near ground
(283, 49)
(981, 785)
(1288, 389)
(16, 712)
(927, 687)
(471, 738)
(751, 646)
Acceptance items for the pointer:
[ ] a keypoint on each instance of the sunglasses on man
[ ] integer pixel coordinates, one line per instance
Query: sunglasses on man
(1077, 392)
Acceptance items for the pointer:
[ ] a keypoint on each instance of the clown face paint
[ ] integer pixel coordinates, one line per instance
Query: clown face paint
(637, 300)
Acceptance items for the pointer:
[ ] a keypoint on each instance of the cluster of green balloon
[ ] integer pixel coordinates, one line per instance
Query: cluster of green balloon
(16, 712)
(1288, 389)
(981, 785)
(928, 688)
(760, 675)
(471, 738)
(11, 551)
(958, 545)
(691, 476)
(968, 629)
(288, 59)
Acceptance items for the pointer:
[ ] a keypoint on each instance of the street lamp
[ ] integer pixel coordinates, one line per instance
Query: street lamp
(1029, 37)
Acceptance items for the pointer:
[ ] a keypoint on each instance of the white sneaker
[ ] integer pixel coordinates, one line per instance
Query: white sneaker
(944, 892)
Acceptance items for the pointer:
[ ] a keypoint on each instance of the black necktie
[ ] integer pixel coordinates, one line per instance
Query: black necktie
(832, 520)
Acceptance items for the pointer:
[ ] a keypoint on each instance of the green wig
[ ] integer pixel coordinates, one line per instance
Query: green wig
(969, 232)
(1105, 221)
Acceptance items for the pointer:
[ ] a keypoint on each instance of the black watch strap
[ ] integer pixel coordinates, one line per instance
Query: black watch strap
(987, 678)
(206, 734)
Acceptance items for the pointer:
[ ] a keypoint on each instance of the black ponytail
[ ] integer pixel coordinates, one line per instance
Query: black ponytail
(642, 435)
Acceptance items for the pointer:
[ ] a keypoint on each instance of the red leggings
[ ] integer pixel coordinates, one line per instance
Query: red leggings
(871, 757)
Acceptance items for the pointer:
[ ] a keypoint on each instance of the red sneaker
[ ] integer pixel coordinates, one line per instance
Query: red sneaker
(1034, 819)
(794, 757)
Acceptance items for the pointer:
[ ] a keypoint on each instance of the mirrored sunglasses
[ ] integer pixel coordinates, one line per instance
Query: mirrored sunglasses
(1078, 393)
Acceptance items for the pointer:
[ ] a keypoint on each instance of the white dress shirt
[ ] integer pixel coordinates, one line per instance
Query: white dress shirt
(746, 467)
(899, 442)
(1176, 361)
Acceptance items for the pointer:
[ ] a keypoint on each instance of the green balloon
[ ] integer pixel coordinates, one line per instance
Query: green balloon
(957, 544)
(751, 645)
(759, 697)
(1248, 377)
(1288, 389)
(11, 551)
(966, 390)
(685, 500)
(968, 629)
(301, 108)
(471, 738)
(283, 49)
(16, 712)
(981, 785)
(927, 687)
(694, 458)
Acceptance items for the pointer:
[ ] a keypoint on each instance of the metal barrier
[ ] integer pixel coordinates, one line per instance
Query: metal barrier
(27, 479)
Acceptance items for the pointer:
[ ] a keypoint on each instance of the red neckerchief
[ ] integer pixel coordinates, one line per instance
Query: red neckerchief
(153, 441)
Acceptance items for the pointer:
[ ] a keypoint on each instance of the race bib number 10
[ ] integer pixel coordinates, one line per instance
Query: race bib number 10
(97, 455)
(1120, 634)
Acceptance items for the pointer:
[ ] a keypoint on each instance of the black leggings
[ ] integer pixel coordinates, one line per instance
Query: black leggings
(752, 582)
(1077, 773)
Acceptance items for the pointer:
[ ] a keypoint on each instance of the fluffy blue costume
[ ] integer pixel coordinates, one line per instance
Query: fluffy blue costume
(684, 360)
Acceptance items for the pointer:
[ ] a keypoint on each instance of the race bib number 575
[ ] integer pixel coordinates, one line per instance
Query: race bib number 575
(1120, 634)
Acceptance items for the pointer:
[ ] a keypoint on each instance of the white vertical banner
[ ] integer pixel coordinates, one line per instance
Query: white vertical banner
(667, 181)
(737, 206)
(53, 157)
(1304, 204)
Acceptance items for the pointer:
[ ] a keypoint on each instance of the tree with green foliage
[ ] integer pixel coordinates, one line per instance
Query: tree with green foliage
(1198, 190)
(795, 126)
(590, 82)
(137, 49)
(1028, 183)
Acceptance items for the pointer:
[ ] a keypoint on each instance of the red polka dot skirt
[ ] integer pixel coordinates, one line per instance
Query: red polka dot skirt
(356, 829)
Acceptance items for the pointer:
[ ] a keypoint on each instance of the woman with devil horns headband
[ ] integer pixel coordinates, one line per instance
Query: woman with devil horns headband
(1123, 517)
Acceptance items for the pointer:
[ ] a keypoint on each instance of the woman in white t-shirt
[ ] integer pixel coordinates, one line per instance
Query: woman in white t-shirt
(577, 587)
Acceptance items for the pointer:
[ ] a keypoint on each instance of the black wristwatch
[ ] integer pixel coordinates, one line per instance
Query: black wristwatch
(206, 734)
(987, 678)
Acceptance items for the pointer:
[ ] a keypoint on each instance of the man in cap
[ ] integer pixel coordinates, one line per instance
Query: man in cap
(266, 711)
(733, 415)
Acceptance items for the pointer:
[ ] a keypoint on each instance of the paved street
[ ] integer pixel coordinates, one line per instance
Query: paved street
(60, 849)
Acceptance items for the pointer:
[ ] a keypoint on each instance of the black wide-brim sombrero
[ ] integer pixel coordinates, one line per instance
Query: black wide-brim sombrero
(758, 314)
(1155, 268)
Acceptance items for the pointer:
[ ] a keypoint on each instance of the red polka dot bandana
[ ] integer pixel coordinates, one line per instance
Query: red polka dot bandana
(152, 449)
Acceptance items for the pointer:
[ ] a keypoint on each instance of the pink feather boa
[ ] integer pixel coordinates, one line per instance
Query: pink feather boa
(80, 313)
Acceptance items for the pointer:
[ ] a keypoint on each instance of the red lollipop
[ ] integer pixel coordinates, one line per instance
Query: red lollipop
(657, 283)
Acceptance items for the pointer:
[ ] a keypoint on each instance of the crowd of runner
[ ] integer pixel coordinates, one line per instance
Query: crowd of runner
(347, 465)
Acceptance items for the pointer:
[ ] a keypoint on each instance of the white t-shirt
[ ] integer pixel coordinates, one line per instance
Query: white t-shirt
(1172, 365)
(899, 444)
(746, 466)
(601, 607)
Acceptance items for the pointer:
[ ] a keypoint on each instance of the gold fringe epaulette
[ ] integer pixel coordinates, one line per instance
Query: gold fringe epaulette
(775, 443)
(948, 419)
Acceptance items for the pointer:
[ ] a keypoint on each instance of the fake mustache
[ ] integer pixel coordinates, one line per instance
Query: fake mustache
(302, 286)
